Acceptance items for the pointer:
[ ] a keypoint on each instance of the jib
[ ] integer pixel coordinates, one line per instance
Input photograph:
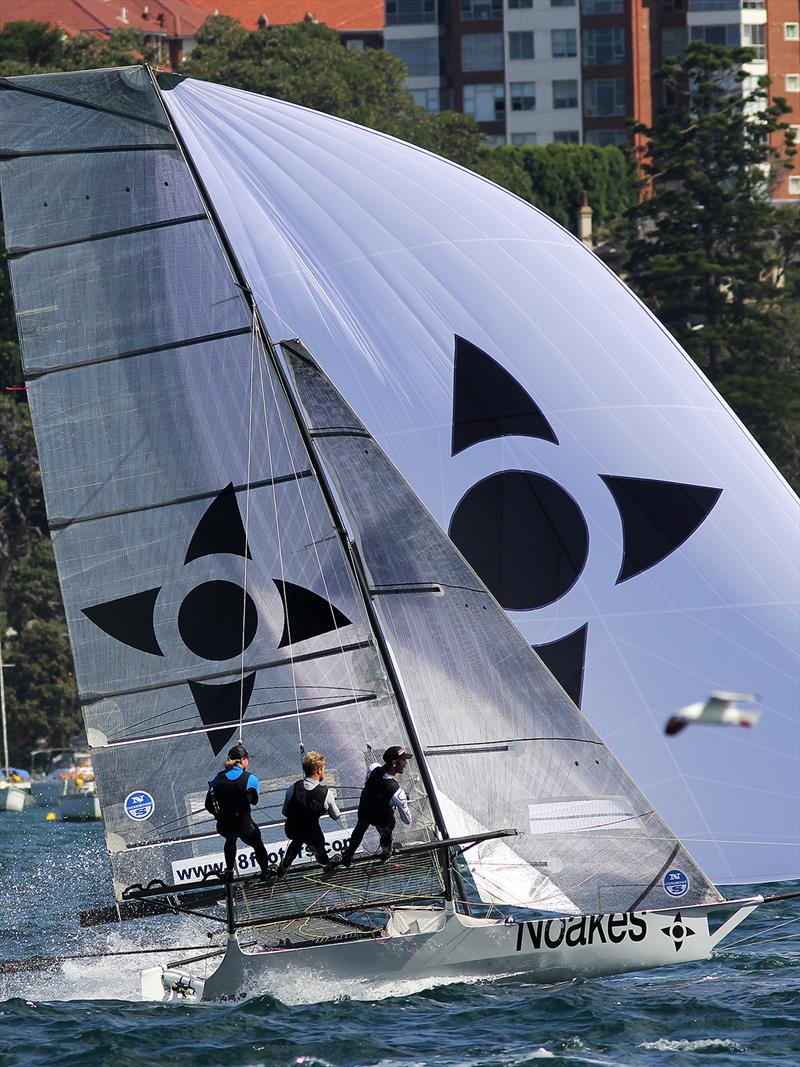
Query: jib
(582, 930)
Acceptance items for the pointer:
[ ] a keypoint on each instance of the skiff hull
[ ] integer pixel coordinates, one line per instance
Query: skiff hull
(452, 945)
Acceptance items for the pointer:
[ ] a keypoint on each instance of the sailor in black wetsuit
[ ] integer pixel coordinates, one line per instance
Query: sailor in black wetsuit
(381, 797)
(230, 796)
(305, 803)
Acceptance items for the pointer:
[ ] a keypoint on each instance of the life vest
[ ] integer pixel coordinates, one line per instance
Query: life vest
(375, 804)
(230, 795)
(305, 808)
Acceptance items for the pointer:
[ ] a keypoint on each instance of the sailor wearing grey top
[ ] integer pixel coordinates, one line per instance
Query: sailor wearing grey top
(306, 802)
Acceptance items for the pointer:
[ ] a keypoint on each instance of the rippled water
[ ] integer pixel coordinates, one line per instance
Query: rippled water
(742, 1007)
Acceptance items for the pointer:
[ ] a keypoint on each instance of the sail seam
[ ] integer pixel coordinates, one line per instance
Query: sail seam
(16, 253)
(7, 85)
(62, 524)
(500, 746)
(338, 431)
(389, 590)
(187, 342)
(255, 721)
(354, 646)
(27, 153)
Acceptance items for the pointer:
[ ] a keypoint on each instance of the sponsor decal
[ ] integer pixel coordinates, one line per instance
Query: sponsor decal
(581, 930)
(675, 883)
(194, 869)
(139, 805)
(678, 931)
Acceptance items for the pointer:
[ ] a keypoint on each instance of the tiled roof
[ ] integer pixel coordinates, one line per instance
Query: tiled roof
(180, 18)
(342, 15)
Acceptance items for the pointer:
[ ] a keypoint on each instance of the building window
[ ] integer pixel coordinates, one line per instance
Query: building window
(604, 47)
(566, 137)
(602, 7)
(410, 12)
(487, 103)
(728, 34)
(420, 55)
(523, 138)
(482, 51)
(673, 40)
(428, 99)
(562, 3)
(794, 184)
(604, 97)
(564, 43)
(602, 138)
(755, 37)
(355, 44)
(472, 10)
(514, 5)
(793, 83)
(669, 7)
(565, 94)
(520, 45)
(523, 96)
(791, 31)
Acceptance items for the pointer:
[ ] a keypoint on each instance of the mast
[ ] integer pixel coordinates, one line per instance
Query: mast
(322, 480)
(3, 711)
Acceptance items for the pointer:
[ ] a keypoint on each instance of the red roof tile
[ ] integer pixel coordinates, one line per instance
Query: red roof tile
(180, 18)
(342, 15)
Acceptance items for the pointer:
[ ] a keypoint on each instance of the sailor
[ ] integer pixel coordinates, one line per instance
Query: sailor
(229, 798)
(380, 798)
(305, 803)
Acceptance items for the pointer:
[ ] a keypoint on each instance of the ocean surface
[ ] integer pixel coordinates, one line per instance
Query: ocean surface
(741, 1008)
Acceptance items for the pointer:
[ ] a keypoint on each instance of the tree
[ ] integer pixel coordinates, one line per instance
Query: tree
(709, 252)
(35, 48)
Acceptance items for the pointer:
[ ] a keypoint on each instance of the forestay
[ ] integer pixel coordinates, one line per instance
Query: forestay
(504, 743)
(203, 579)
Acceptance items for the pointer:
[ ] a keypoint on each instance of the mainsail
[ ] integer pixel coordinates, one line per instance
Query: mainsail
(205, 584)
(505, 744)
(546, 419)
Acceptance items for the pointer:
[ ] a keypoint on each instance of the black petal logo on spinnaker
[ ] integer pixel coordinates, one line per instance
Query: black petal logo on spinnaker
(525, 535)
(678, 931)
(217, 620)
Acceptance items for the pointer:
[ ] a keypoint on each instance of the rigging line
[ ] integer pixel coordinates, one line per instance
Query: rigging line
(247, 524)
(751, 939)
(328, 596)
(321, 569)
(267, 431)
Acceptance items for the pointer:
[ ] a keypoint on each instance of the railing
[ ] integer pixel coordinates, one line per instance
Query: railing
(727, 5)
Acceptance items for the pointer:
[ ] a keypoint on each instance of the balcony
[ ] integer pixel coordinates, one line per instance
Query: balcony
(727, 5)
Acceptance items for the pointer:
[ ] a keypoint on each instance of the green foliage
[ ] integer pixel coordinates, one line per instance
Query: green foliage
(36, 48)
(708, 251)
(22, 518)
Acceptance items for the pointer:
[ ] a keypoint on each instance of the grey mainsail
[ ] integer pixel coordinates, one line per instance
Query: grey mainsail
(204, 581)
(505, 744)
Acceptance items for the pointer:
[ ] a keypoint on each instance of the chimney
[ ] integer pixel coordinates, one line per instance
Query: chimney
(585, 221)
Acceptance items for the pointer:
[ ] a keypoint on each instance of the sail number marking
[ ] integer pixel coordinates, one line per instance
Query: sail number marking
(582, 930)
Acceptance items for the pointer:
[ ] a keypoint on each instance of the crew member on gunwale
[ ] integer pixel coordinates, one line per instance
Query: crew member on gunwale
(380, 798)
(306, 802)
(230, 795)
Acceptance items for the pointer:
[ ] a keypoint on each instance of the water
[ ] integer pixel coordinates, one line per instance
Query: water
(742, 1008)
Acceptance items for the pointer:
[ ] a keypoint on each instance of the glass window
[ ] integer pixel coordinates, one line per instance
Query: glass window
(565, 94)
(523, 138)
(482, 51)
(355, 45)
(428, 99)
(791, 31)
(409, 12)
(566, 137)
(471, 10)
(564, 43)
(728, 34)
(520, 45)
(673, 40)
(562, 3)
(487, 103)
(605, 137)
(602, 7)
(523, 96)
(514, 5)
(755, 37)
(794, 184)
(604, 47)
(793, 83)
(604, 96)
(420, 55)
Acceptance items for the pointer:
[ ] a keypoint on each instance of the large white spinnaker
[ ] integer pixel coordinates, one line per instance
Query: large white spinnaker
(629, 521)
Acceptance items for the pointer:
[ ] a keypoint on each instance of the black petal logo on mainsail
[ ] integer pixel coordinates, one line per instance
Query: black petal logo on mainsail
(524, 534)
(678, 930)
(218, 619)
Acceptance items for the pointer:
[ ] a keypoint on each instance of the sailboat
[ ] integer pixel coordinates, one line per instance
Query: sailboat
(240, 558)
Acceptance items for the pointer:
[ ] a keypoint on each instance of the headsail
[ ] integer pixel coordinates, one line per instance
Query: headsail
(518, 385)
(204, 580)
(505, 745)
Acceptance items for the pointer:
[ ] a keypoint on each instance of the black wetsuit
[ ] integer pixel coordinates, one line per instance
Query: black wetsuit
(374, 809)
(303, 813)
(234, 797)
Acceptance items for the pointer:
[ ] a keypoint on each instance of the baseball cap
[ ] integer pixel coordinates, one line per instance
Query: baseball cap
(396, 752)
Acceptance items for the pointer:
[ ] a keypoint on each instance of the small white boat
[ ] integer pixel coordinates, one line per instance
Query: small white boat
(15, 792)
(79, 802)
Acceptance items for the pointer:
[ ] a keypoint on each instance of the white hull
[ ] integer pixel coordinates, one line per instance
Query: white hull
(549, 950)
(79, 808)
(14, 798)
